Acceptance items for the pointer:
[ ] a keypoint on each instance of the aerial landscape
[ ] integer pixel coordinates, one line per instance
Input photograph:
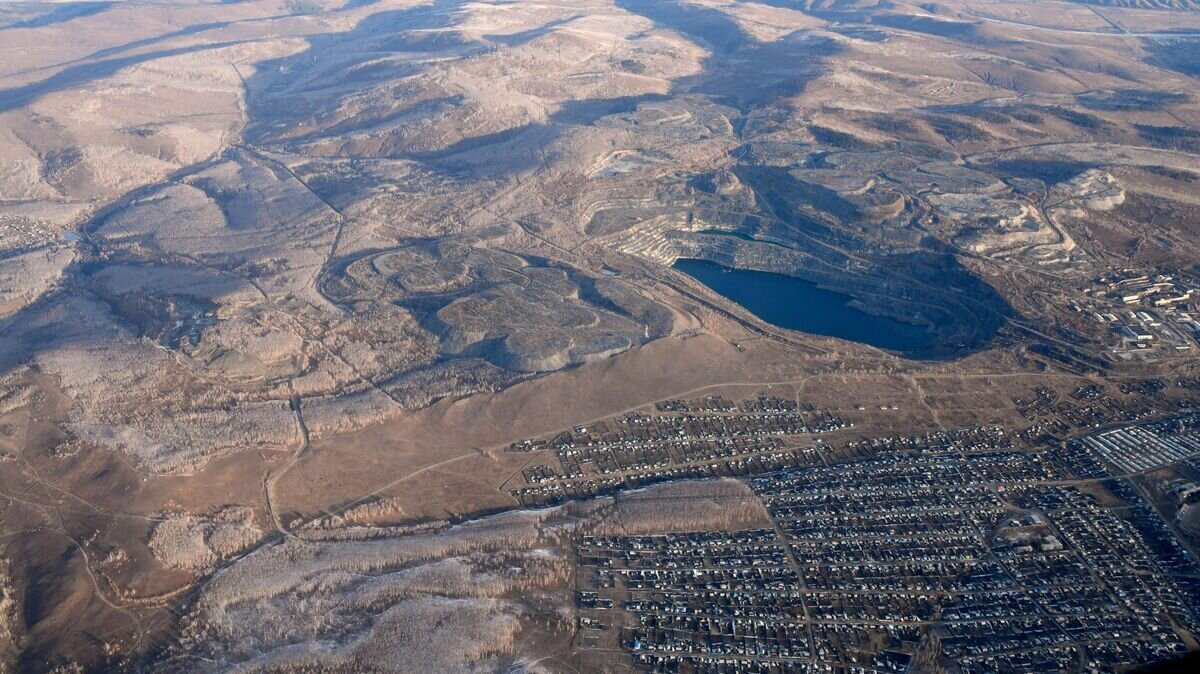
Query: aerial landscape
(672, 336)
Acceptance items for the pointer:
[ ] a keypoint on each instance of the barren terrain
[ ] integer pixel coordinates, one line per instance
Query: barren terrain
(282, 282)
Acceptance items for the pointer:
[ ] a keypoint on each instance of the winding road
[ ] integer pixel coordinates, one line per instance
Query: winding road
(271, 478)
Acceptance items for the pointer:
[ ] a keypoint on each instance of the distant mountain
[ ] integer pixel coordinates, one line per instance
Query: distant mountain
(1191, 5)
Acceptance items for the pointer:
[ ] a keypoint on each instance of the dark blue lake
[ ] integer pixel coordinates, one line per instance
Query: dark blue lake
(792, 303)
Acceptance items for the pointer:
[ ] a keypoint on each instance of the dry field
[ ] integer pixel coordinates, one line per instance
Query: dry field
(280, 280)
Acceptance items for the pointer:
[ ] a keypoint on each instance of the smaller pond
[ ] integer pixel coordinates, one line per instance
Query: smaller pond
(792, 303)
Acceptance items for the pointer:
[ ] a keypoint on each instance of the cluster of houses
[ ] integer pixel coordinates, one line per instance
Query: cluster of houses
(716, 437)
(707, 437)
(978, 558)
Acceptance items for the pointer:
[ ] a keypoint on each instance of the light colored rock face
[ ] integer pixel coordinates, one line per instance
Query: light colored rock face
(1093, 190)
(976, 211)
(877, 191)
(623, 162)
(994, 226)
